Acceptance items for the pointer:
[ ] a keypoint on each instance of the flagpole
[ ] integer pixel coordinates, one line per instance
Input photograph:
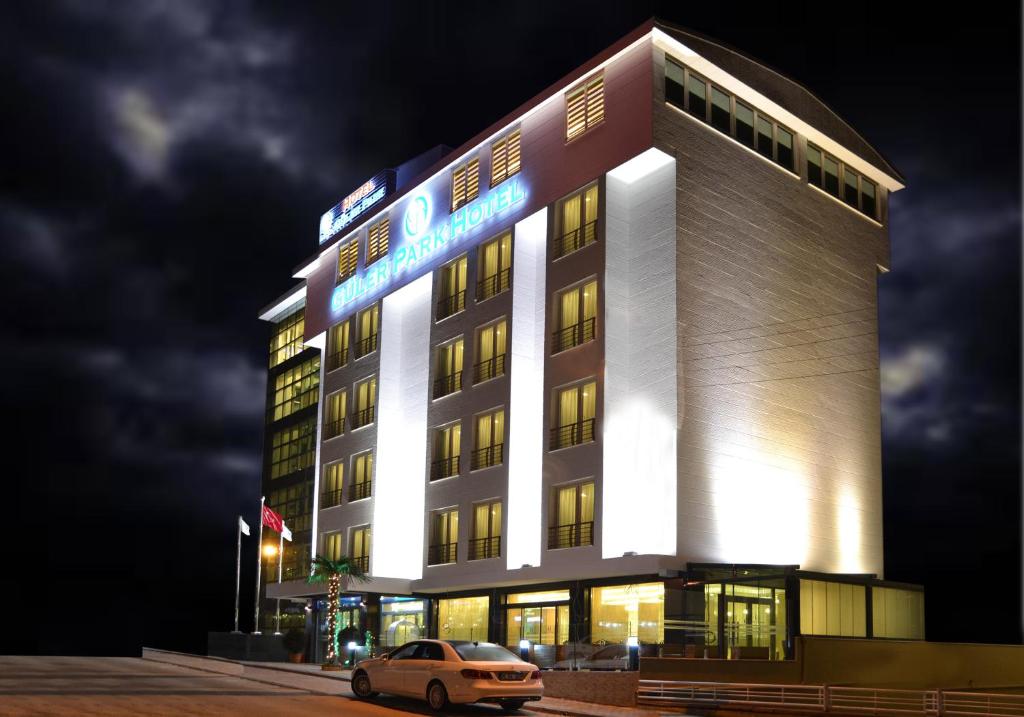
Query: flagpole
(280, 564)
(238, 570)
(259, 567)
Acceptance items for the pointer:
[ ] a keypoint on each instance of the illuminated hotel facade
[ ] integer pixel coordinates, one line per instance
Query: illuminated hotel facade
(609, 369)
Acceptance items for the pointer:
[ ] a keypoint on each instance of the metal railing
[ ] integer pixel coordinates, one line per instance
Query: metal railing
(821, 698)
(337, 359)
(575, 239)
(481, 548)
(444, 385)
(493, 285)
(442, 553)
(572, 434)
(444, 468)
(331, 498)
(362, 562)
(365, 346)
(358, 491)
(491, 368)
(486, 457)
(334, 428)
(449, 305)
(362, 418)
(574, 335)
(571, 535)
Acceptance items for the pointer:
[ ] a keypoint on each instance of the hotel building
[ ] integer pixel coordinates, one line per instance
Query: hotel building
(609, 369)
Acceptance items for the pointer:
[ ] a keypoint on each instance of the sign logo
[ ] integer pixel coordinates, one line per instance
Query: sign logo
(350, 208)
(417, 216)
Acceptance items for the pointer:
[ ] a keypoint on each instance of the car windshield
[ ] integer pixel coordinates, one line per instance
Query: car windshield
(484, 652)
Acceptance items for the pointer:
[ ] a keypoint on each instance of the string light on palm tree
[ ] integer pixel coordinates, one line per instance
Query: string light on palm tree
(326, 570)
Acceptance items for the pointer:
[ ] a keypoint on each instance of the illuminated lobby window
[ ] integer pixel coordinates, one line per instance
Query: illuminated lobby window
(575, 408)
(362, 476)
(332, 484)
(577, 316)
(829, 608)
(333, 545)
(465, 183)
(486, 540)
(359, 547)
(495, 270)
(444, 537)
(401, 620)
(490, 352)
(754, 620)
(463, 618)
(335, 411)
(448, 363)
(573, 517)
(447, 447)
(337, 345)
(287, 338)
(368, 324)
(540, 617)
(505, 157)
(293, 449)
(377, 241)
(296, 388)
(348, 260)
(622, 611)
(577, 222)
(366, 402)
(584, 107)
(452, 297)
(897, 613)
(489, 441)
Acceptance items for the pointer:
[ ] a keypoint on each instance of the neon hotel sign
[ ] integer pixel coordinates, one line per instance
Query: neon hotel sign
(355, 204)
(424, 241)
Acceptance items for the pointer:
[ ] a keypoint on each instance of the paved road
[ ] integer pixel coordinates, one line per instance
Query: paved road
(131, 686)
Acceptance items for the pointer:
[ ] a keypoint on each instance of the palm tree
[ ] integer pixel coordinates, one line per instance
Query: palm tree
(325, 570)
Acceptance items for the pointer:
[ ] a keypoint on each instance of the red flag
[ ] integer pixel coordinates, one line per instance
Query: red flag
(272, 520)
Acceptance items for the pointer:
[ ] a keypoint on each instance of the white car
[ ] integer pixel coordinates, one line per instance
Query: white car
(443, 671)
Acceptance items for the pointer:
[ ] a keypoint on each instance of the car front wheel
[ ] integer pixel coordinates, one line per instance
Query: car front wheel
(361, 686)
(437, 696)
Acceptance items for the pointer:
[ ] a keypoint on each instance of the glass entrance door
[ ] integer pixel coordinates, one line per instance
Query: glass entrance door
(545, 626)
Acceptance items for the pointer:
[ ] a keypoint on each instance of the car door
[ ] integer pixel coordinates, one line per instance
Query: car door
(389, 678)
(417, 673)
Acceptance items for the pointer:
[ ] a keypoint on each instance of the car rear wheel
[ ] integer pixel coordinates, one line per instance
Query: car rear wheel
(512, 705)
(437, 696)
(361, 686)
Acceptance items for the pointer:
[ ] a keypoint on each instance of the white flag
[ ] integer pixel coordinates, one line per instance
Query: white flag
(243, 526)
(285, 533)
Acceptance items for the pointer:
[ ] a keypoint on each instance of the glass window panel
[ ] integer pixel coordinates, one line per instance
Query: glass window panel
(867, 198)
(537, 597)
(764, 137)
(674, 84)
(621, 611)
(744, 124)
(814, 166)
(720, 112)
(784, 148)
(698, 97)
(463, 618)
(831, 167)
(850, 187)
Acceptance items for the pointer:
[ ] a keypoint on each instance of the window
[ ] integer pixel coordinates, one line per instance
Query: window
(453, 289)
(575, 408)
(621, 611)
(295, 504)
(335, 410)
(337, 345)
(584, 107)
(293, 449)
(489, 441)
(897, 613)
(858, 192)
(574, 517)
(744, 124)
(333, 545)
(333, 480)
(366, 401)
(577, 222)
(828, 608)
(675, 82)
(784, 148)
(697, 99)
(577, 315)
(721, 111)
(359, 548)
(447, 448)
(368, 323)
(867, 197)
(814, 165)
(463, 618)
(348, 260)
(449, 369)
(831, 176)
(465, 183)
(495, 267)
(362, 476)
(490, 352)
(297, 388)
(505, 157)
(377, 241)
(851, 182)
(486, 540)
(444, 537)
(764, 137)
(287, 338)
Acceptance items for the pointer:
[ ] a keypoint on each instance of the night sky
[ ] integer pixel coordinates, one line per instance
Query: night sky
(164, 165)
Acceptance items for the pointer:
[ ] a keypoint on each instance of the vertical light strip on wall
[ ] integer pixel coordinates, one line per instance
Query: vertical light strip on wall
(640, 389)
(526, 404)
(399, 484)
(318, 342)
